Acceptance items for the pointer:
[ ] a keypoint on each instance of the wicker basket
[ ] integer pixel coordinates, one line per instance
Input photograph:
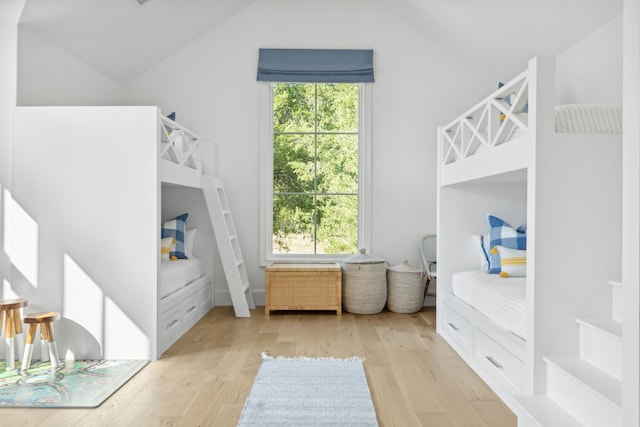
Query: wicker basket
(406, 288)
(364, 284)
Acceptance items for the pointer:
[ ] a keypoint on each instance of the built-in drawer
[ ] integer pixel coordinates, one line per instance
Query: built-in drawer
(189, 306)
(501, 364)
(195, 301)
(203, 297)
(170, 322)
(459, 328)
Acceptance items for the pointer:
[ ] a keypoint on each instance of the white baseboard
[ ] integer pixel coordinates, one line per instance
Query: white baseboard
(222, 298)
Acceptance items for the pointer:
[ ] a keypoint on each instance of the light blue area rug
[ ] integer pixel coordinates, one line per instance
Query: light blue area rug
(309, 392)
(76, 384)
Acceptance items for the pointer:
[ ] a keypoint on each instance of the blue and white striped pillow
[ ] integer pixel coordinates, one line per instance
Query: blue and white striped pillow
(176, 228)
(503, 234)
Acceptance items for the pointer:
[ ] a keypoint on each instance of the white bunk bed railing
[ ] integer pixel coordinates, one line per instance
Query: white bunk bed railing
(493, 121)
(179, 145)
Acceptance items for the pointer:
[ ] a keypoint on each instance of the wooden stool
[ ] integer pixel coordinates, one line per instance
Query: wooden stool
(13, 326)
(46, 337)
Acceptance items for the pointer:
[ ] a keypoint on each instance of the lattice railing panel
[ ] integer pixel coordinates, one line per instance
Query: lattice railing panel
(179, 145)
(490, 123)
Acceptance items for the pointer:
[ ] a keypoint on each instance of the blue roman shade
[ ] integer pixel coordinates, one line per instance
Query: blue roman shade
(315, 65)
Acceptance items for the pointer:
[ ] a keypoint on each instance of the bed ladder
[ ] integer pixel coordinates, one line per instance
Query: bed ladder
(228, 246)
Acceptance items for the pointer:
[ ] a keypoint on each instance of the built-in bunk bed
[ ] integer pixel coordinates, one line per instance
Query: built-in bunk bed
(555, 185)
(184, 288)
(91, 184)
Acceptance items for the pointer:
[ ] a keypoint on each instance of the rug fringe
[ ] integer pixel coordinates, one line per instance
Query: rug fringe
(266, 356)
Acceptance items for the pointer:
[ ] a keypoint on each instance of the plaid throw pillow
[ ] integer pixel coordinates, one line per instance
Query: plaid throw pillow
(502, 234)
(176, 228)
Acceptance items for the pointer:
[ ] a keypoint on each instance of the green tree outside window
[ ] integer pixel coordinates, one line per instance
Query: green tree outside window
(315, 168)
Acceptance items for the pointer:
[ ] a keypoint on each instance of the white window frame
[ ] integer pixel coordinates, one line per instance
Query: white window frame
(266, 179)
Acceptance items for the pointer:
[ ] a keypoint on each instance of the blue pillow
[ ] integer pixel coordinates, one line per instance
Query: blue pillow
(503, 234)
(170, 116)
(507, 99)
(176, 228)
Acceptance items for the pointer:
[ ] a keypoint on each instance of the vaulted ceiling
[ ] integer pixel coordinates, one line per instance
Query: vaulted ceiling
(122, 39)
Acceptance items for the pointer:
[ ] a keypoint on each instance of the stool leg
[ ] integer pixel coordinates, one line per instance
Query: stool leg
(44, 353)
(19, 336)
(2, 316)
(8, 337)
(28, 347)
(53, 348)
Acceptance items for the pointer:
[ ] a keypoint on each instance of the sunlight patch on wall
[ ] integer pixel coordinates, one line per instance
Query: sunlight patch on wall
(20, 238)
(7, 291)
(83, 299)
(122, 337)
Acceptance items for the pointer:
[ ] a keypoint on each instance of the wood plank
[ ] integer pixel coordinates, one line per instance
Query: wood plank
(416, 379)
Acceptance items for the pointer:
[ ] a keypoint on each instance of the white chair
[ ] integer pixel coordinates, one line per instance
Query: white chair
(429, 259)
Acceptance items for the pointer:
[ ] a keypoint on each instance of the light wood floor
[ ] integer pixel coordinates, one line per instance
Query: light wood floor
(416, 379)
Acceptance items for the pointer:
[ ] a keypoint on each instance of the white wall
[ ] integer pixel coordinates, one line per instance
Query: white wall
(211, 84)
(49, 75)
(631, 215)
(85, 213)
(10, 11)
(590, 71)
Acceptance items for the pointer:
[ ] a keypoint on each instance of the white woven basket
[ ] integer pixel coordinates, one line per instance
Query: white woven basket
(364, 288)
(364, 285)
(405, 288)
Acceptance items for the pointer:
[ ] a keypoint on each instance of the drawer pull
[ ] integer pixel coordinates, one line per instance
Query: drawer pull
(173, 322)
(454, 327)
(494, 362)
(193, 307)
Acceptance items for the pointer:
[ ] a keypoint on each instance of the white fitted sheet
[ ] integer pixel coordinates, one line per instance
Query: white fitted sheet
(178, 274)
(503, 300)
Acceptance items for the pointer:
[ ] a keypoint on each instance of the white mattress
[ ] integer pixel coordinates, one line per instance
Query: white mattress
(503, 300)
(177, 274)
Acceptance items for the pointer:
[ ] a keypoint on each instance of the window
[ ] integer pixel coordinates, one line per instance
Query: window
(315, 160)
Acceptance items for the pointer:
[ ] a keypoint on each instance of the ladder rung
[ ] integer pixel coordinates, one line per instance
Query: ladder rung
(229, 247)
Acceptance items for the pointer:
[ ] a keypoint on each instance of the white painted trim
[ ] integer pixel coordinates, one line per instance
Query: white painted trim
(266, 159)
(631, 211)
(365, 119)
(172, 173)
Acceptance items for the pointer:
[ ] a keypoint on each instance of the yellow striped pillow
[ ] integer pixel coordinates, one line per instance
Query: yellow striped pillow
(513, 262)
(165, 247)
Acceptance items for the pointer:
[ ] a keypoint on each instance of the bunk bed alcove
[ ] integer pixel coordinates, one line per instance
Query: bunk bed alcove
(93, 182)
(566, 188)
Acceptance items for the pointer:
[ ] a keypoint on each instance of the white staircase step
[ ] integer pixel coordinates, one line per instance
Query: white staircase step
(601, 344)
(617, 298)
(590, 395)
(541, 411)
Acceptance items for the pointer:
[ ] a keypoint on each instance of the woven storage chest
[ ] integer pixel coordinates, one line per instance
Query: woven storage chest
(405, 288)
(364, 284)
(303, 287)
